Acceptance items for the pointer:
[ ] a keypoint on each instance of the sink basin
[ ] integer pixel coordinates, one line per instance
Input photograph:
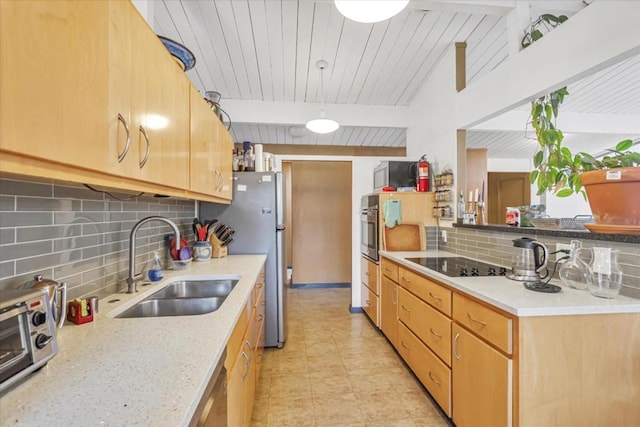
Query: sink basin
(184, 298)
(219, 288)
(172, 307)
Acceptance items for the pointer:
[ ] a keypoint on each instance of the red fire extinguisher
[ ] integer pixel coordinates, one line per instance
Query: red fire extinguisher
(423, 174)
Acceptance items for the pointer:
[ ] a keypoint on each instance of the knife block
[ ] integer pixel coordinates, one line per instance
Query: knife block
(217, 250)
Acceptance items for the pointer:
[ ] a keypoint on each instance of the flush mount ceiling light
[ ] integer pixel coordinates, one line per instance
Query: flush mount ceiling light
(322, 124)
(368, 11)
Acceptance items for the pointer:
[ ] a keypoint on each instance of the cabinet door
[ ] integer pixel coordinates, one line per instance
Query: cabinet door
(370, 303)
(236, 391)
(203, 150)
(389, 310)
(223, 161)
(54, 67)
(482, 382)
(159, 110)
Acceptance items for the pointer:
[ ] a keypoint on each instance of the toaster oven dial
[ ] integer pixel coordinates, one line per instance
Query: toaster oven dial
(39, 318)
(42, 340)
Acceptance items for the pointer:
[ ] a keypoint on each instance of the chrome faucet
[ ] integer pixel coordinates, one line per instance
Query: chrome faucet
(133, 277)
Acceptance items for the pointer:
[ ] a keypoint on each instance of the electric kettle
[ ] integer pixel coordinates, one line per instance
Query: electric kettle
(57, 296)
(528, 261)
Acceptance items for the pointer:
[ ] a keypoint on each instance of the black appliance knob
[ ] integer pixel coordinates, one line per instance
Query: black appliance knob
(42, 340)
(39, 318)
(492, 271)
(503, 271)
(475, 272)
(464, 272)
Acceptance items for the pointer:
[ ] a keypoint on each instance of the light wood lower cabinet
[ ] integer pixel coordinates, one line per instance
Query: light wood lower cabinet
(370, 289)
(482, 381)
(432, 372)
(244, 358)
(389, 310)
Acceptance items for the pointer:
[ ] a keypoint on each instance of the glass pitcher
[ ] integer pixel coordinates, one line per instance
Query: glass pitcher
(605, 276)
(574, 273)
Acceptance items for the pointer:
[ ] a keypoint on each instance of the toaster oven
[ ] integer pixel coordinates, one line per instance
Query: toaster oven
(27, 333)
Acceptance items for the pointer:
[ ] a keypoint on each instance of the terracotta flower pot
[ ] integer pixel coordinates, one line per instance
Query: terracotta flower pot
(614, 196)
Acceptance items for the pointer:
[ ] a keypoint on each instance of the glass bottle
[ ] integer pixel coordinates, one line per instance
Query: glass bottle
(574, 272)
(605, 276)
(461, 207)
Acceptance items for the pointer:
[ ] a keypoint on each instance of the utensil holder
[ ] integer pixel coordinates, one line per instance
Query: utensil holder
(217, 249)
(74, 313)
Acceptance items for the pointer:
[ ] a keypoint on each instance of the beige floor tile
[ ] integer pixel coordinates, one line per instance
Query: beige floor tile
(323, 384)
(392, 423)
(291, 412)
(289, 385)
(366, 381)
(430, 422)
(418, 405)
(382, 406)
(337, 409)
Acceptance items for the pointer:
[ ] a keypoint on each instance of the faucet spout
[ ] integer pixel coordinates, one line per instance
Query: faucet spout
(133, 278)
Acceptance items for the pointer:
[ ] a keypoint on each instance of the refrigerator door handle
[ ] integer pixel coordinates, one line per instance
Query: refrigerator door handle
(280, 227)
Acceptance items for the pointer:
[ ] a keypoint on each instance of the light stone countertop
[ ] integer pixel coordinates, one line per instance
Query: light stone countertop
(140, 371)
(514, 298)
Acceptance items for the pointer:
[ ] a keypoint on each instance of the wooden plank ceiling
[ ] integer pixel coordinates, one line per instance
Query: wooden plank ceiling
(265, 50)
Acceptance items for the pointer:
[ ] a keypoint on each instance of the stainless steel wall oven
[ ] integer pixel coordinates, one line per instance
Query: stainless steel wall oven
(369, 227)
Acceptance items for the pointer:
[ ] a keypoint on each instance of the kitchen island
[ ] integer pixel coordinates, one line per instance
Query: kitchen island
(491, 352)
(140, 371)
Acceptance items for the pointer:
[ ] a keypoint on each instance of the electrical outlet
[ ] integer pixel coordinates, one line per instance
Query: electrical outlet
(560, 246)
(443, 233)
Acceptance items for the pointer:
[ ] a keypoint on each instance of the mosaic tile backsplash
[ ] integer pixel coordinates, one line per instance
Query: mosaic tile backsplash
(75, 235)
(497, 248)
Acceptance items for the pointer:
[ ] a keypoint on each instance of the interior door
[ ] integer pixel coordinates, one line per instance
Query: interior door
(321, 223)
(506, 189)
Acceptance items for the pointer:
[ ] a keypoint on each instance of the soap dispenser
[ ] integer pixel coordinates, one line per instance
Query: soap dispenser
(155, 273)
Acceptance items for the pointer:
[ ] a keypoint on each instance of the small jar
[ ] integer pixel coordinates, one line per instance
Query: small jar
(201, 251)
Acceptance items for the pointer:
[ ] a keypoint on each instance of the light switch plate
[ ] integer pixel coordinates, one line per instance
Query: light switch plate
(443, 233)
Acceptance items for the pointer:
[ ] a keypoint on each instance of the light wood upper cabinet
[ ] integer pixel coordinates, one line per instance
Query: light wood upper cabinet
(211, 147)
(482, 382)
(54, 74)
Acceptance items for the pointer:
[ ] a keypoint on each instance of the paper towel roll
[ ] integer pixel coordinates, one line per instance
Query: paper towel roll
(259, 164)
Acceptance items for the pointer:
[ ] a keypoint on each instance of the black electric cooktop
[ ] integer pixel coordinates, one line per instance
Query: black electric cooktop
(460, 266)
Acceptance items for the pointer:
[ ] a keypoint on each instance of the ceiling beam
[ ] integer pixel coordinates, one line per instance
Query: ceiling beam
(615, 124)
(299, 113)
(601, 35)
(332, 150)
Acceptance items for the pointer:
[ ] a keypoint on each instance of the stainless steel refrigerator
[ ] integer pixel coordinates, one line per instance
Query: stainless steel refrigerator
(257, 216)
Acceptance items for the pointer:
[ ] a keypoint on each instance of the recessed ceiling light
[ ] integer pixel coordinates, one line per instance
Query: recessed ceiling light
(368, 11)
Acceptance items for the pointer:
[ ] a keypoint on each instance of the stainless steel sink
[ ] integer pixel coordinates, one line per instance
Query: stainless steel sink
(184, 298)
(173, 307)
(197, 289)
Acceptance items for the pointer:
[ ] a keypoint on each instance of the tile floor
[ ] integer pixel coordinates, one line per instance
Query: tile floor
(337, 370)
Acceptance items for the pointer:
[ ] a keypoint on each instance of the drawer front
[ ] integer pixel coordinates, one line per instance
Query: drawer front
(389, 269)
(234, 346)
(369, 273)
(258, 290)
(370, 304)
(433, 328)
(433, 374)
(484, 322)
(430, 292)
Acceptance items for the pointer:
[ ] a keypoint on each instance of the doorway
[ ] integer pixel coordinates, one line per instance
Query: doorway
(321, 223)
(506, 189)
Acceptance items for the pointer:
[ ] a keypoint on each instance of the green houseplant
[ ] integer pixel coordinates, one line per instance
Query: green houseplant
(560, 171)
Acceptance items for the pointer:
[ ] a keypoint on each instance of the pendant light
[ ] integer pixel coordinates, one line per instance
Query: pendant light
(322, 124)
(368, 11)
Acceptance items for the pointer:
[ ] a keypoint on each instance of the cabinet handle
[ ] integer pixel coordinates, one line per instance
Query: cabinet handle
(405, 346)
(435, 296)
(263, 302)
(259, 285)
(122, 155)
(405, 309)
(367, 302)
(434, 333)
(476, 320)
(394, 296)
(246, 364)
(388, 270)
(259, 317)
(146, 154)
(433, 379)
(405, 280)
(455, 343)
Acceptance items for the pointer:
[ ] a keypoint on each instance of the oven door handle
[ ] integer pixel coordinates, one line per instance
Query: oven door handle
(13, 312)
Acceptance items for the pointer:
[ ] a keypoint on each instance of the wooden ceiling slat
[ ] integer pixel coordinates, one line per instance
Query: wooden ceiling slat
(257, 11)
(305, 24)
(276, 54)
(289, 48)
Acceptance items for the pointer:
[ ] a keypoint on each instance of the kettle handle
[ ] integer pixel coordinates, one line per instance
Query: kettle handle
(540, 259)
(61, 291)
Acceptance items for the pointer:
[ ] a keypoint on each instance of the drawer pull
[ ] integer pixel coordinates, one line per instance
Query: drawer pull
(367, 302)
(394, 296)
(433, 333)
(476, 320)
(435, 296)
(433, 379)
(259, 285)
(455, 343)
(406, 309)
(405, 280)
(404, 345)
(259, 317)
(247, 364)
(263, 302)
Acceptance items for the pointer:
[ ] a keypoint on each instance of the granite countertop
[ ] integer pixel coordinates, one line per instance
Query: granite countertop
(141, 371)
(514, 298)
(575, 234)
